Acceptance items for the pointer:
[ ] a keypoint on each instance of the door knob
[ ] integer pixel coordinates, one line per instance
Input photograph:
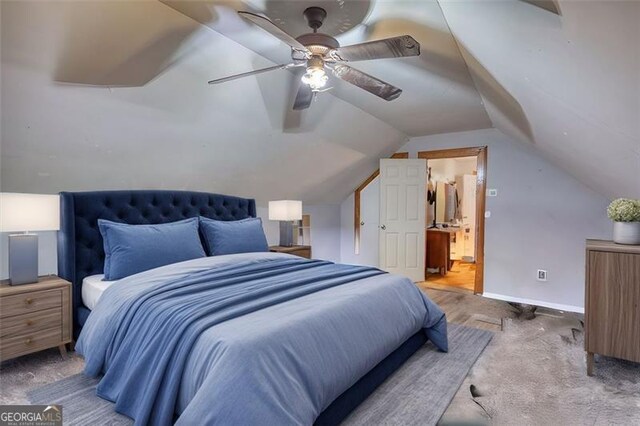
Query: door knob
(383, 227)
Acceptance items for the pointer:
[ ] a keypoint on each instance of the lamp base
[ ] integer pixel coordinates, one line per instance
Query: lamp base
(286, 233)
(23, 259)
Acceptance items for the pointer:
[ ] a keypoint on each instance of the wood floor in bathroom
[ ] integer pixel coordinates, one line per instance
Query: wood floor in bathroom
(460, 277)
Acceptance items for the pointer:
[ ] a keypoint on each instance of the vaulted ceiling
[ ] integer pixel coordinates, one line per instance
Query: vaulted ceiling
(576, 79)
(113, 94)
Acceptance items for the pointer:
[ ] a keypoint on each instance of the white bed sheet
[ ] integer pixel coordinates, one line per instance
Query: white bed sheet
(92, 288)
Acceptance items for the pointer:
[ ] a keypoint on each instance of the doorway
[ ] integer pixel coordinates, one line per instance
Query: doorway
(455, 204)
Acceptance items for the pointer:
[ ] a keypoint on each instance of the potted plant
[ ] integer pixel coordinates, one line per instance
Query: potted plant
(625, 214)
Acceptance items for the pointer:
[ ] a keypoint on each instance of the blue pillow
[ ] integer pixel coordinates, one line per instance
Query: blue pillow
(234, 236)
(130, 249)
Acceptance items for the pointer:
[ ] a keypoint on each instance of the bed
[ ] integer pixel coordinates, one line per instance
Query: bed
(308, 352)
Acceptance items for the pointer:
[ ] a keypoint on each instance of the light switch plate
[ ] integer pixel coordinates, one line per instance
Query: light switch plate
(542, 275)
(492, 192)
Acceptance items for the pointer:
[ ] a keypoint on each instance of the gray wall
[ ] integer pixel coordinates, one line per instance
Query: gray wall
(539, 220)
(325, 230)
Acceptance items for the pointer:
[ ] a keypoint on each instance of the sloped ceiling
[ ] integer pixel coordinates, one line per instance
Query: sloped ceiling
(567, 84)
(175, 131)
(576, 78)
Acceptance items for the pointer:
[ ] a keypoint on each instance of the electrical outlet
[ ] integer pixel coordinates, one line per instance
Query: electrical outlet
(492, 192)
(542, 275)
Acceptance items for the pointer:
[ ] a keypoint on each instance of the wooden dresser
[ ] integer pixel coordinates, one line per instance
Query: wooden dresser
(302, 251)
(438, 249)
(612, 305)
(34, 317)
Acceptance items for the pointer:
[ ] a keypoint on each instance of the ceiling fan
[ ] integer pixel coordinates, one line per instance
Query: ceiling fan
(317, 52)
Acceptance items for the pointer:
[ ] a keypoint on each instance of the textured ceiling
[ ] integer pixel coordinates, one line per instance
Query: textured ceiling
(568, 84)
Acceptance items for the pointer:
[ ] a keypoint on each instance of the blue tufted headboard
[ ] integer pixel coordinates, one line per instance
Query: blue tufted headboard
(80, 249)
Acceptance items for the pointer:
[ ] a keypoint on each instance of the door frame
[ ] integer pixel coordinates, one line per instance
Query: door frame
(480, 152)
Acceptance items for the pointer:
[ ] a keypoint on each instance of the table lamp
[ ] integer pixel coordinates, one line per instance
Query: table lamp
(25, 213)
(286, 211)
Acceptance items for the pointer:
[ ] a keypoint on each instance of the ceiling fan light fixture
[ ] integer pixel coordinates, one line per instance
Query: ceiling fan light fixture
(316, 78)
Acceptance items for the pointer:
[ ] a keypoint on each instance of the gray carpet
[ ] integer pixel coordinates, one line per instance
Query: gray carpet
(80, 405)
(418, 393)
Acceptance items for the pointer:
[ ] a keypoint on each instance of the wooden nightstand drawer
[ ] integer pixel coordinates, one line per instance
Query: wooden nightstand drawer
(30, 342)
(302, 251)
(31, 322)
(30, 302)
(34, 317)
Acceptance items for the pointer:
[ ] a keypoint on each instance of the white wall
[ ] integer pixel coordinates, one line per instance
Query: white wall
(539, 220)
(325, 239)
(447, 169)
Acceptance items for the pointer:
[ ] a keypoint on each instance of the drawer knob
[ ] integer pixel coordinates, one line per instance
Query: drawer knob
(28, 301)
(28, 341)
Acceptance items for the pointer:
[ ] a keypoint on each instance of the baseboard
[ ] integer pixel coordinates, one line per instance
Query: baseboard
(557, 306)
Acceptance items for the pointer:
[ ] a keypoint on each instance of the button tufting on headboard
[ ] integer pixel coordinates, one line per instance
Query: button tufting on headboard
(80, 247)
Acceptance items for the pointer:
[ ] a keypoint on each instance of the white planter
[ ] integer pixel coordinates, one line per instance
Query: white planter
(626, 232)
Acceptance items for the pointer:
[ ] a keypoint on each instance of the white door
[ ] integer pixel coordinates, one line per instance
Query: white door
(402, 216)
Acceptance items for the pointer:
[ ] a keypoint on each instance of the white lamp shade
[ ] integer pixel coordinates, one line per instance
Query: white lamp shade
(285, 210)
(29, 212)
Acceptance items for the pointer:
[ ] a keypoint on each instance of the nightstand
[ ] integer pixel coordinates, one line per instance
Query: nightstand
(302, 251)
(34, 317)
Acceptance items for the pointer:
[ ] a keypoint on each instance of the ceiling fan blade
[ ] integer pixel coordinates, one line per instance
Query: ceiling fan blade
(394, 47)
(367, 82)
(260, 71)
(273, 29)
(549, 5)
(303, 97)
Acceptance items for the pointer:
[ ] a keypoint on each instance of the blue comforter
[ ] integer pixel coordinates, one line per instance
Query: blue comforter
(247, 339)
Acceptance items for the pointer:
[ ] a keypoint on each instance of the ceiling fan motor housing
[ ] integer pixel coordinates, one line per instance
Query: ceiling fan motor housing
(315, 17)
(318, 39)
(316, 43)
